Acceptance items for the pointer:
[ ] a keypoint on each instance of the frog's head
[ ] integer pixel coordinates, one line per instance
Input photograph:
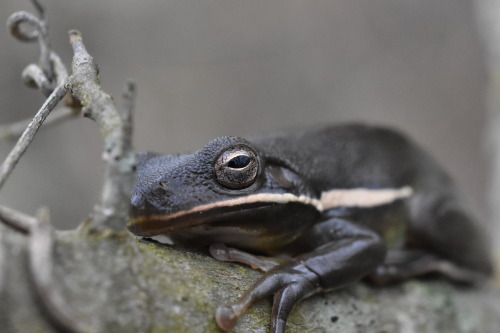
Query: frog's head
(226, 192)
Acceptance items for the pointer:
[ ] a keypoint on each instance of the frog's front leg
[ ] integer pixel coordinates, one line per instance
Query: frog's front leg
(350, 253)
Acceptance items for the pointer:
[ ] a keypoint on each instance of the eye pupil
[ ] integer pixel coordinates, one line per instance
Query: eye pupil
(239, 162)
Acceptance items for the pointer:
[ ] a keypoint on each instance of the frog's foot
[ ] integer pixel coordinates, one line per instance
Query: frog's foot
(289, 283)
(223, 253)
(404, 264)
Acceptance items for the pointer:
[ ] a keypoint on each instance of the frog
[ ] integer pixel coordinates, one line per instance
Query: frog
(315, 210)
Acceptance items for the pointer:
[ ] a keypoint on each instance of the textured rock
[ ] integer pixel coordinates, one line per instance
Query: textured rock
(117, 283)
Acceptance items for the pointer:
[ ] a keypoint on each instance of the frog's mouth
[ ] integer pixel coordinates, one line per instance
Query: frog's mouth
(164, 224)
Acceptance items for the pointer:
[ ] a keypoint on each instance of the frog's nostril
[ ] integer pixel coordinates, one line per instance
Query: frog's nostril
(137, 200)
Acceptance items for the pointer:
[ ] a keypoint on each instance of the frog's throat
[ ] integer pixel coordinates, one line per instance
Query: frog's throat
(152, 225)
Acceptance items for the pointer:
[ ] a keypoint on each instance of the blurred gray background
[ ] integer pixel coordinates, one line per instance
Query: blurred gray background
(207, 68)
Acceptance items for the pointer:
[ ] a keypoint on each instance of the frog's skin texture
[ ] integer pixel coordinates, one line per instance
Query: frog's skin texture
(326, 206)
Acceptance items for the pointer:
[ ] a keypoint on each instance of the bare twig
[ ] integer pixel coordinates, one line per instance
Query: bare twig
(28, 135)
(17, 220)
(14, 130)
(41, 76)
(49, 71)
(2, 264)
(129, 96)
(41, 248)
(116, 128)
(50, 76)
(113, 208)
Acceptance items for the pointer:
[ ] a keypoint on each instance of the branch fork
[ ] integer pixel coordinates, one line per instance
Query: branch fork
(111, 213)
(50, 76)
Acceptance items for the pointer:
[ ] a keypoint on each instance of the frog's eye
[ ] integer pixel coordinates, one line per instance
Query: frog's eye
(236, 167)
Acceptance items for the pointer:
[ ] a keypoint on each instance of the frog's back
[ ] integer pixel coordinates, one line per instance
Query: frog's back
(362, 156)
(353, 156)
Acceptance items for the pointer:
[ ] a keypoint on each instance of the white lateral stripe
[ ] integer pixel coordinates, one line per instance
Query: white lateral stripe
(260, 197)
(363, 197)
(281, 199)
(357, 197)
(253, 198)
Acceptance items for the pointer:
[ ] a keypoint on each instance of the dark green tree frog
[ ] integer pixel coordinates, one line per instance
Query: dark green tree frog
(316, 210)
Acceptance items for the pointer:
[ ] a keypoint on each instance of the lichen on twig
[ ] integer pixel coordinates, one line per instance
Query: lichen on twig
(112, 210)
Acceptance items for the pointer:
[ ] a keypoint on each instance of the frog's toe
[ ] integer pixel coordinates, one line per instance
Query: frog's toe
(219, 252)
(286, 299)
(289, 283)
(226, 317)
